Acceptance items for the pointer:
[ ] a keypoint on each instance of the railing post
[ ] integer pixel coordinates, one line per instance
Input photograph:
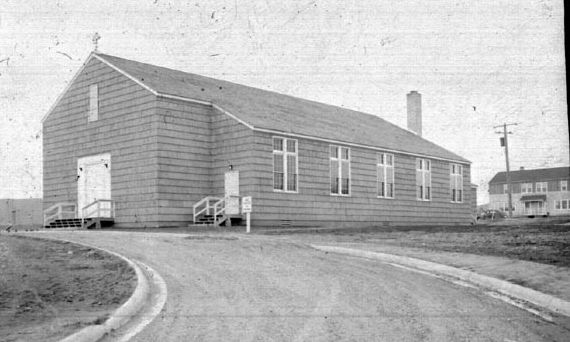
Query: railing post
(59, 212)
(98, 209)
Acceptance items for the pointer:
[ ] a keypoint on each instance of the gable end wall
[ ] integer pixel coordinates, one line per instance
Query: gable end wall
(125, 129)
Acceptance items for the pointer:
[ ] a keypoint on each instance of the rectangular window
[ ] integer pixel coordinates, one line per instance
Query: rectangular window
(340, 170)
(93, 103)
(563, 185)
(564, 204)
(505, 188)
(285, 164)
(456, 183)
(423, 179)
(526, 188)
(385, 175)
(541, 186)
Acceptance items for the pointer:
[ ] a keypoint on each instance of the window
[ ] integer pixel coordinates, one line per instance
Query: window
(385, 174)
(285, 166)
(456, 182)
(505, 188)
(526, 188)
(340, 170)
(93, 103)
(423, 179)
(541, 186)
(563, 185)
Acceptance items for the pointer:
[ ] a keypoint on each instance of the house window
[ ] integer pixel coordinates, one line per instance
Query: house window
(541, 186)
(93, 103)
(385, 174)
(563, 185)
(423, 179)
(526, 188)
(285, 166)
(456, 183)
(505, 188)
(340, 170)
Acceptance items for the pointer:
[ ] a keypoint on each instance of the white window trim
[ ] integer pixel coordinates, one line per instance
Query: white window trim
(339, 159)
(424, 172)
(380, 163)
(560, 203)
(527, 189)
(565, 182)
(457, 178)
(93, 114)
(545, 187)
(284, 153)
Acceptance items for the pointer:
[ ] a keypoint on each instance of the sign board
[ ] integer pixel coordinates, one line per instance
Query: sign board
(246, 204)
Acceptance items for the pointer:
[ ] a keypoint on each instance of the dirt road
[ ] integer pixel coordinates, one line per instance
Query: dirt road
(252, 288)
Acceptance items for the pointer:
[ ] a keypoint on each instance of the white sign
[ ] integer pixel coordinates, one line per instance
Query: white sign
(246, 204)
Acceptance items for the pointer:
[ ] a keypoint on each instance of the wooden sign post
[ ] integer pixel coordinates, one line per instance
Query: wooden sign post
(246, 209)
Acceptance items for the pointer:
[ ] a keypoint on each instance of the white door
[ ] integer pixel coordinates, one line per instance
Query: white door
(94, 183)
(231, 189)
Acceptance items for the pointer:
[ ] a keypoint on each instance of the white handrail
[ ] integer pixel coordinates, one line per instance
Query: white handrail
(222, 204)
(207, 207)
(56, 212)
(99, 209)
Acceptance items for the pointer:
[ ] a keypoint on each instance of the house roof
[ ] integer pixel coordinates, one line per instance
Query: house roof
(531, 176)
(267, 110)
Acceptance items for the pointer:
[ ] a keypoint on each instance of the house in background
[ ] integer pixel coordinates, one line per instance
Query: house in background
(534, 192)
(147, 146)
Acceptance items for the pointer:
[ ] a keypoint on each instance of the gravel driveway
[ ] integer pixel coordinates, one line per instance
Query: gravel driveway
(231, 287)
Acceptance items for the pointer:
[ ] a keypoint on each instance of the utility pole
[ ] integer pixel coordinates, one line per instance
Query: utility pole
(505, 142)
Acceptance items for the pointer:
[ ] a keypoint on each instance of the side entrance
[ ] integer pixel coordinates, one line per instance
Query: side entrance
(94, 183)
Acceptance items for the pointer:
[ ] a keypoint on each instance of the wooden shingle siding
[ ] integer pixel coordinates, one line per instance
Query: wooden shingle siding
(125, 129)
(313, 205)
(183, 156)
(232, 144)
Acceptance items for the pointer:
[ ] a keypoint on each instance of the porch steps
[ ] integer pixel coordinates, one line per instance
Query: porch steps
(97, 222)
(64, 223)
(209, 219)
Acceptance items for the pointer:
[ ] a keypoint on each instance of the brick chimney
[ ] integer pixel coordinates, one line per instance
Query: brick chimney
(415, 112)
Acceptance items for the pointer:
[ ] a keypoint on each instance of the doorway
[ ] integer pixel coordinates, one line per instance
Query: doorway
(94, 183)
(231, 190)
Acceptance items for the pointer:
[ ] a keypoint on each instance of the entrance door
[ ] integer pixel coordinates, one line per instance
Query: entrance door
(94, 183)
(231, 189)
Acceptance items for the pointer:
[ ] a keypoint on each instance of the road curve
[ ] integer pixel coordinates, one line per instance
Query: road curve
(242, 288)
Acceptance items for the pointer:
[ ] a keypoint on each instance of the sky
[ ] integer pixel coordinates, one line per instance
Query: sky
(477, 64)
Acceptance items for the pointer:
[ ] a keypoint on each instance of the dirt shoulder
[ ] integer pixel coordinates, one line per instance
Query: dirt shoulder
(49, 289)
(532, 255)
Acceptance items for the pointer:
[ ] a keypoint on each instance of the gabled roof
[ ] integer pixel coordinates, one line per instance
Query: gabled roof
(269, 111)
(531, 176)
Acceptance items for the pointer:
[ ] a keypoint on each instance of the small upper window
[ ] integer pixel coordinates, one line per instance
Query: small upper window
(541, 186)
(564, 185)
(93, 103)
